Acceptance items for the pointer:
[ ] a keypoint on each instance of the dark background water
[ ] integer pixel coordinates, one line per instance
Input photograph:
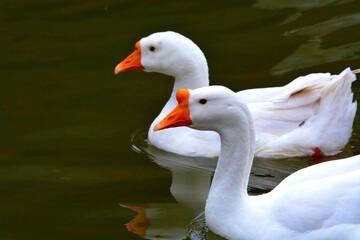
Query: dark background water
(66, 121)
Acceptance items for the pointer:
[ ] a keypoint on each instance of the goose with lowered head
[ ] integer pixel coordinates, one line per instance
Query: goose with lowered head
(318, 107)
(318, 202)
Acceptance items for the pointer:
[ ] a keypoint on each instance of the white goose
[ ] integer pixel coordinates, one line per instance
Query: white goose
(317, 108)
(318, 202)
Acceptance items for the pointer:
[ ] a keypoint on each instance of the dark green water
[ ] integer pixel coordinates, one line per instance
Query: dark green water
(66, 121)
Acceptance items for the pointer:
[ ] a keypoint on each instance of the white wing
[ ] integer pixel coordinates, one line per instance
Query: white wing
(315, 111)
(319, 201)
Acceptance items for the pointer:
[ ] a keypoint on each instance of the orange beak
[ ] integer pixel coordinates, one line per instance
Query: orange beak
(132, 62)
(180, 116)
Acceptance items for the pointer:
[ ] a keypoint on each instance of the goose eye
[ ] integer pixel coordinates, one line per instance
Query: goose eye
(152, 48)
(203, 101)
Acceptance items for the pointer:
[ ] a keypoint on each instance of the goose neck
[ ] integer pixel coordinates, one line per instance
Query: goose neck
(195, 78)
(229, 187)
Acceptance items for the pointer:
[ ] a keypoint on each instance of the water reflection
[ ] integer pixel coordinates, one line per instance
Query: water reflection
(301, 5)
(312, 52)
(191, 180)
(325, 27)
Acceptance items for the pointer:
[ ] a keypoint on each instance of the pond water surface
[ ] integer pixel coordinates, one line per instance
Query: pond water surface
(74, 161)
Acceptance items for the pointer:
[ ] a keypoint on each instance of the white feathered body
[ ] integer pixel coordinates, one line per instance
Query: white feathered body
(318, 202)
(314, 111)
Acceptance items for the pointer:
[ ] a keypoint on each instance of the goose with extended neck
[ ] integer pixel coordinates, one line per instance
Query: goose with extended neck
(317, 107)
(317, 202)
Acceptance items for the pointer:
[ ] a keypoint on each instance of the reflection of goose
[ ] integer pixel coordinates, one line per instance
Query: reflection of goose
(170, 220)
(159, 220)
(191, 178)
(318, 202)
(282, 115)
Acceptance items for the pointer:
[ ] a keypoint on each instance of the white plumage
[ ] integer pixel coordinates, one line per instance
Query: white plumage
(317, 107)
(317, 202)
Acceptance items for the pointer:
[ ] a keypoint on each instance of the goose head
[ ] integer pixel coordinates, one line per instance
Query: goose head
(169, 53)
(213, 108)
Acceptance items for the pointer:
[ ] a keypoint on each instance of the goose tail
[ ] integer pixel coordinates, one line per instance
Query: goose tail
(336, 113)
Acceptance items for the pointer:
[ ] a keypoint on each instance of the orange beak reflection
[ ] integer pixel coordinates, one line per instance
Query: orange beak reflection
(140, 224)
(132, 62)
(180, 116)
